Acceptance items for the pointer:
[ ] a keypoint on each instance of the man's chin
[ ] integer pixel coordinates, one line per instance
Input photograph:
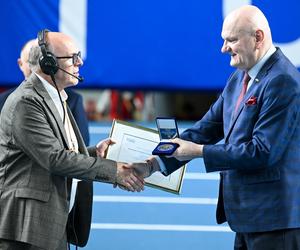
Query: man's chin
(74, 82)
(233, 64)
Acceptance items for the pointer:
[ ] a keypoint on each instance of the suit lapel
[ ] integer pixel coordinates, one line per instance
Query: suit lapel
(38, 85)
(252, 89)
(236, 115)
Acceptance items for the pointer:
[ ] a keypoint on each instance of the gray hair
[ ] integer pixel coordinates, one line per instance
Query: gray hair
(35, 54)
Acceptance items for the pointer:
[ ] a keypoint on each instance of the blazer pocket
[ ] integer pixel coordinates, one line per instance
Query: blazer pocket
(268, 175)
(250, 108)
(32, 194)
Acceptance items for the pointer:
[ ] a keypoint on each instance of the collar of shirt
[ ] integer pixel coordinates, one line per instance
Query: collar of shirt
(54, 95)
(257, 67)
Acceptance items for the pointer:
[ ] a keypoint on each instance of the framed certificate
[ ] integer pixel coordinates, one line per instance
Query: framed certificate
(135, 144)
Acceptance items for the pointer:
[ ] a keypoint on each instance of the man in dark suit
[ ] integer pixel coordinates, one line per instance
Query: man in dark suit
(258, 118)
(42, 150)
(74, 99)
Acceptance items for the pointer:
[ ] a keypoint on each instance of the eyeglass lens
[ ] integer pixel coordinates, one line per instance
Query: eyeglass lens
(76, 57)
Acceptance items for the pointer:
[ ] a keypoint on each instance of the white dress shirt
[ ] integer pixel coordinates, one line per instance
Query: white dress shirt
(72, 140)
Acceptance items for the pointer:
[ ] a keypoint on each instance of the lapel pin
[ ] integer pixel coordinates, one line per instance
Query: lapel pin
(256, 80)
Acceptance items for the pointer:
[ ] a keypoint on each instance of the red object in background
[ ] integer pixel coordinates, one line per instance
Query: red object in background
(125, 104)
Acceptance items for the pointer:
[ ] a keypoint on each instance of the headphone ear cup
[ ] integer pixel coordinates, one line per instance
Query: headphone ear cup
(48, 63)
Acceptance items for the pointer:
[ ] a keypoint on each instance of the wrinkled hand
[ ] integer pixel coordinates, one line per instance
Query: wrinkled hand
(128, 179)
(102, 146)
(187, 150)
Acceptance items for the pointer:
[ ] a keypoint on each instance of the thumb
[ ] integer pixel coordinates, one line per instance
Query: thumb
(175, 140)
(110, 141)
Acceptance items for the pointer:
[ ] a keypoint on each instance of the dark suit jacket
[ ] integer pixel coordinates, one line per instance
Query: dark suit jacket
(3, 97)
(76, 105)
(260, 157)
(35, 166)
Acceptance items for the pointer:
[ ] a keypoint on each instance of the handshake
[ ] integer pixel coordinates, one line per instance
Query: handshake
(130, 177)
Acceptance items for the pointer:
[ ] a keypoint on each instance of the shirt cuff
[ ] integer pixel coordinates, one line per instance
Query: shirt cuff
(161, 164)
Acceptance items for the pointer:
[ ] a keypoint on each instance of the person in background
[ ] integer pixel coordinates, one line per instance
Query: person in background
(126, 105)
(74, 99)
(117, 104)
(24, 67)
(258, 118)
(42, 152)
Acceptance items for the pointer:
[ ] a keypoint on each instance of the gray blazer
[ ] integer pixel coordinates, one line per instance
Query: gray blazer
(35, 164)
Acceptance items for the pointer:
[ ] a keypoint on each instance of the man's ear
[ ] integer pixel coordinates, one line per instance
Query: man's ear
(259, 38)
(20, 62)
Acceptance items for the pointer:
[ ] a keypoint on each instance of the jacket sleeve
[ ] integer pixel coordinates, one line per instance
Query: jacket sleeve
(33, 132)
(208, 130)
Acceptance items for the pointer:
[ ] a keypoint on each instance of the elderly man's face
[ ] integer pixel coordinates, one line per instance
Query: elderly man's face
(70, 62)
(240, 44)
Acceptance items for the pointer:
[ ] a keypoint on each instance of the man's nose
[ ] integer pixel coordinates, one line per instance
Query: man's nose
(79, 62)
(225, 48)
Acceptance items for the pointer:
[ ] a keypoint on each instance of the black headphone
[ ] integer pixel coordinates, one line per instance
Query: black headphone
(47, 61)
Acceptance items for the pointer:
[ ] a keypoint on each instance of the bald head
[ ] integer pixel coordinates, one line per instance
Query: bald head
(58, 43)
(24, 55)
(66, 56)
(247, 36)
(249, 18)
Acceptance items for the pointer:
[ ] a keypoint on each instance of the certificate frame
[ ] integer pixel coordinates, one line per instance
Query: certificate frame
(134, 143)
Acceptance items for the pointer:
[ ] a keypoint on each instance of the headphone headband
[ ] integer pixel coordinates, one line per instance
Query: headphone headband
(42, 37)
(48, 62)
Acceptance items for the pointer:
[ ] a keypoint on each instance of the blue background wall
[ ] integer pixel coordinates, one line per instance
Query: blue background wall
(150, 44)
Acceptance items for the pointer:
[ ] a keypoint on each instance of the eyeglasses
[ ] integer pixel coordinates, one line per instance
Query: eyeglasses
(75, 57)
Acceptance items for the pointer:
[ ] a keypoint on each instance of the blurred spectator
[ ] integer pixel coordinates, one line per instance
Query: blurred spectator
(24, 67)
(102, 107)
(148, 111)
(126, 105)
(114, 104)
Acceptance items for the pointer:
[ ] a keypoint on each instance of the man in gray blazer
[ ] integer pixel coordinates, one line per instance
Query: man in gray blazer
(41, 150)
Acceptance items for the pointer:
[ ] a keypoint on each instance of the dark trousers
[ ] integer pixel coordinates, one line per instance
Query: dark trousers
(287, 239)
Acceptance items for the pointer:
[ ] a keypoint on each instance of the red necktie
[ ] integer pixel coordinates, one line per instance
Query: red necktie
(246, 80)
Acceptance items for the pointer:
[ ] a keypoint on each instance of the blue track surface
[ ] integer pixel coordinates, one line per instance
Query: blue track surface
(155, 219)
